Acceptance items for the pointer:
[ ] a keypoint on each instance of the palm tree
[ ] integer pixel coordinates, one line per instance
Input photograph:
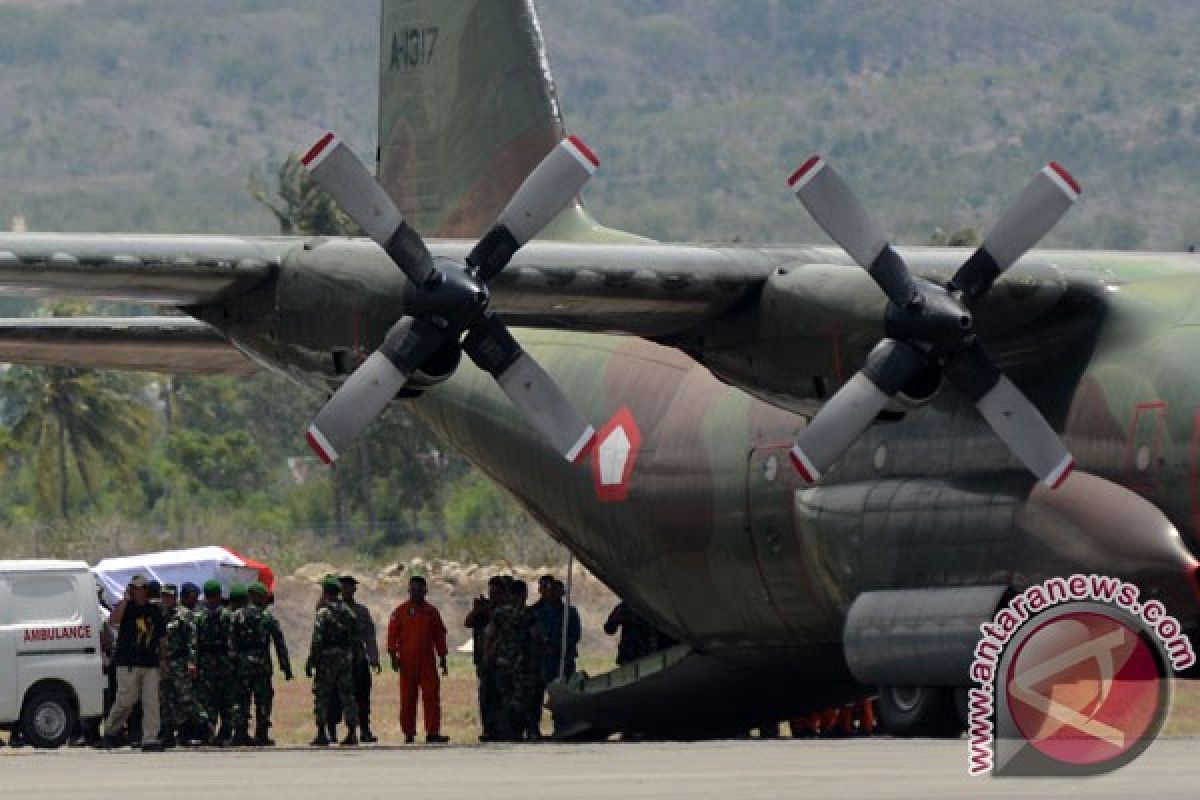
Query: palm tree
(74, 421)
(305, 208)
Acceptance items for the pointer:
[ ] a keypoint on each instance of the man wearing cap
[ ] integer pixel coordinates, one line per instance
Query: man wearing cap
(416, 634)
(213, 662)
(253, 630)
(331, 658)
(189, 721)
(365, 660)
(140, 657)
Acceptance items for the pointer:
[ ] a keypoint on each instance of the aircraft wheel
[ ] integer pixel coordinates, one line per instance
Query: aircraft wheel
(911, 711)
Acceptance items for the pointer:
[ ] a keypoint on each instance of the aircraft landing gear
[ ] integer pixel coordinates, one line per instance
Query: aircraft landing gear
(919, 711)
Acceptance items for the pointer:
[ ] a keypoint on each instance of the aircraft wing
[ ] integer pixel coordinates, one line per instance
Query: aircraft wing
(653, 290)
(153, 344)
(176, 271)
(158, 269)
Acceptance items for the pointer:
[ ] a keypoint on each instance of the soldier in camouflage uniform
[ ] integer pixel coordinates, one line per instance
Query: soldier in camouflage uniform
(168, 594)
(181, 714)
(526, 704)
(477, 620)
(507, 660)
(335, 639)
(237, 601)
(214, 666)
(253, 628)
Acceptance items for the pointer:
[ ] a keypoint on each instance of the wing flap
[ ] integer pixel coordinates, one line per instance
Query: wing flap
(179, 345)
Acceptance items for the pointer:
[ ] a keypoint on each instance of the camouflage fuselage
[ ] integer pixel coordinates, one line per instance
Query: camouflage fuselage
(715, 537)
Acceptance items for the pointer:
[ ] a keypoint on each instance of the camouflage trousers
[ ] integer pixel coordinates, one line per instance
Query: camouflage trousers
(214, 687)
(252, 685)
(527, 702)
(180, 707)
(334, 678)
(491, 704)
(514, 697)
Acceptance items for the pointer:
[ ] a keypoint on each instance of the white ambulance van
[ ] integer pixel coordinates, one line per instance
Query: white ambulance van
(50, 660)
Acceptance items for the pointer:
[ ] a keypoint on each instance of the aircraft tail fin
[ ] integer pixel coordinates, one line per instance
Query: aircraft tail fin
(467, 108)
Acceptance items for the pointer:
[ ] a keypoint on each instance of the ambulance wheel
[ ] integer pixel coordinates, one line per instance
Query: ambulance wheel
(911, 711)
(48, 718)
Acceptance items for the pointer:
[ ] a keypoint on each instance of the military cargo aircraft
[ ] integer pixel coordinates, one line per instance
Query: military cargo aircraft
(820, 468)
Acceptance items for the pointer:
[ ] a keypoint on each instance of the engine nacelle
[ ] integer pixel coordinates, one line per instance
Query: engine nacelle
(810, 330)
(918, 637)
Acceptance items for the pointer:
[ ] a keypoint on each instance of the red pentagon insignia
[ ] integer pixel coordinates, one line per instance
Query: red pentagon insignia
(613, 456)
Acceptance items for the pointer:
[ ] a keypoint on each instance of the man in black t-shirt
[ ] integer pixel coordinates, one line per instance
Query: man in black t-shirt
(138, 661)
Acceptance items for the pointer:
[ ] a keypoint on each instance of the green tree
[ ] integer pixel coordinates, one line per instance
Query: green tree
(75, 422)
(225, 466)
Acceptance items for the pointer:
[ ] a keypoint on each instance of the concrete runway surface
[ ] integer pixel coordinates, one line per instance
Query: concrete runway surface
(846, 770)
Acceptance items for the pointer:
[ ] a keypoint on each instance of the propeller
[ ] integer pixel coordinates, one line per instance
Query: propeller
(449, 301)
(930, 328)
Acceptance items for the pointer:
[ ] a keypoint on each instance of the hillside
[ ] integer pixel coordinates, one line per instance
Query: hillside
(141, 114)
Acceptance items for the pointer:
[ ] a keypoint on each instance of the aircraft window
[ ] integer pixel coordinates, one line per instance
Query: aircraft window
(881, 455)
(1142, 460)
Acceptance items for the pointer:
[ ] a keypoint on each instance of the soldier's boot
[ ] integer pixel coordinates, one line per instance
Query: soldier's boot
(167, 740)
(202, 734)
(332, 731)
(351, 738)
(261, 737)
(241, 738)
(222, 737)
(366, 737)
(320, 740)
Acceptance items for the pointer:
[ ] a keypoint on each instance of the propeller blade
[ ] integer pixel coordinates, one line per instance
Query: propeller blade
(1039, 207)
(1015, 420)
(854, 407)
(835, 208)
(338, 171)
(533, 392)
(545, 192)
(369, 389)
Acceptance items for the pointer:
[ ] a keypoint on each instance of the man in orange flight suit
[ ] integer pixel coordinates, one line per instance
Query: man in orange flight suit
(415, 635)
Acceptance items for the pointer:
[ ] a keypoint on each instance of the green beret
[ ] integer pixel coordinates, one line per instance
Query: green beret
(212, 587)
(331, 582)
(258, 587)
(238, 591)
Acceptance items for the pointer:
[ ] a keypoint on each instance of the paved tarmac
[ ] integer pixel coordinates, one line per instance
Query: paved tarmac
(731, 770)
